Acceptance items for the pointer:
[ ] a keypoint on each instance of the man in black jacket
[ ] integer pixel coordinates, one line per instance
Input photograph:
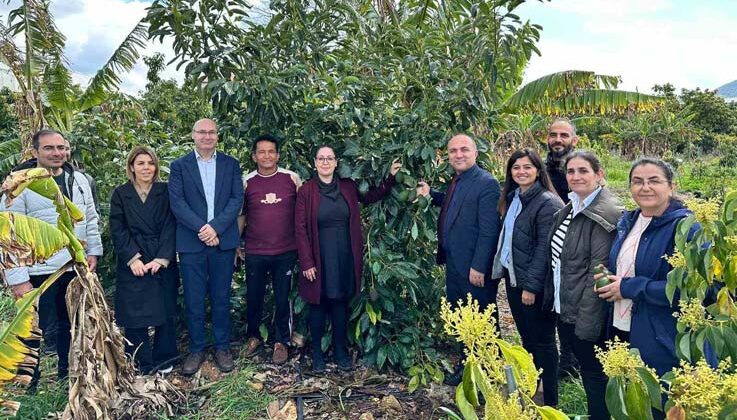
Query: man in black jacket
(562, 139)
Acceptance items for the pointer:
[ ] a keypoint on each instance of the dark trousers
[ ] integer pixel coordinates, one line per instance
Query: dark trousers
(207, 272)
(592, 373)
(458, 286)
(281, 268)
(338, 312)
(56, 294)
(164, 348)
(537, 331)
(568, 363)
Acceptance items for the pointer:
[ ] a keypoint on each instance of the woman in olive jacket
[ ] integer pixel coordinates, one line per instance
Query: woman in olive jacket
(582, 236)
(529, 203)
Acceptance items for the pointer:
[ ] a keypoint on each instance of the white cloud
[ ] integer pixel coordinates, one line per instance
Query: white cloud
(642, 41)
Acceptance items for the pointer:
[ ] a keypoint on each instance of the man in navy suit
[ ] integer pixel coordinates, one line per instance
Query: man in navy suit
(468, 229)
(206, 194)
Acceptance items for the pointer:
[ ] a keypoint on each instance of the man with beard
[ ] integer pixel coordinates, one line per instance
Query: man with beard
(562, 139)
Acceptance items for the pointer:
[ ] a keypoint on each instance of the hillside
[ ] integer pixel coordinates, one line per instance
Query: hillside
(729, 90)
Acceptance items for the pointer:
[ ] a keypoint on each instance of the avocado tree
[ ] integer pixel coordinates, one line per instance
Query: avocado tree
(377, 81)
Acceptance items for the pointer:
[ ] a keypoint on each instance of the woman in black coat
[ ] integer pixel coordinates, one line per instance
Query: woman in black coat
(143, 230)
(528, 203)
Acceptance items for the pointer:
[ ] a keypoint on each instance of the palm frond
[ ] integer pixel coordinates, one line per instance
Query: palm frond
(577, 92)
(43, 38)
(10, 154)
(60, 95)
(17, 360)
(123, 59)
(27, 241)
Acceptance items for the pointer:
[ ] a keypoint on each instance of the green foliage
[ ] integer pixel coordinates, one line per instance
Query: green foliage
(334, 72)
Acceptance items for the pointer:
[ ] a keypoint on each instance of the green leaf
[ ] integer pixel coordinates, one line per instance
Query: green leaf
(414, 382)
(469, 385)
(25, 241)
(381, 357)
(264, 332)
(615, 398)
(652, 386)
(415, 232)
(550, 413)
(637, 401)
(467, 410)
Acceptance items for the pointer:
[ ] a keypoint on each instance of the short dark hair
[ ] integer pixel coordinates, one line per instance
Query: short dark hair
(265, 137)
(36, 139)
(322, 146)
(509, 183)
(664, 166)
(586, 155)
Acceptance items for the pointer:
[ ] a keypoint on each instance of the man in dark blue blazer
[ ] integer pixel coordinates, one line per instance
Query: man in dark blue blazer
(206, 195)
(468, 229)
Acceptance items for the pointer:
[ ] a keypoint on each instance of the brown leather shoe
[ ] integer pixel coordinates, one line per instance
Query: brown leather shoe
(192, 363)
(252, 345)
(224, 361)
(281, 354)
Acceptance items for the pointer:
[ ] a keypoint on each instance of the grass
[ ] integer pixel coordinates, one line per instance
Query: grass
(572, 398)
(50, 397)
(232, 397)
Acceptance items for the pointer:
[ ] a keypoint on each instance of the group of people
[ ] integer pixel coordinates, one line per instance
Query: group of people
(543, 232)
(557, 223)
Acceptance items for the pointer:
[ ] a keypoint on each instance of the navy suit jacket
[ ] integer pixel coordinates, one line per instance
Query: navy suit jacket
(187, 199)
(473, 223)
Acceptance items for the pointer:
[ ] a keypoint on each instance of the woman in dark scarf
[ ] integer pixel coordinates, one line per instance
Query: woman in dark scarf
(330, 248)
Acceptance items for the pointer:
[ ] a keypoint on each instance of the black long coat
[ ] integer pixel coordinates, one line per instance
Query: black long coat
(149, 229)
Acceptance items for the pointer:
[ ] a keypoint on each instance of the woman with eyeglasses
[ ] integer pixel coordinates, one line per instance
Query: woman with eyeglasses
(642, 312)
(581, 238)
(330, 250)
(144, 230)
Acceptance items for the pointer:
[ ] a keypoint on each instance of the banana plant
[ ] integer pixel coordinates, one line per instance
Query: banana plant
(48, 96)
(102, 378)
(24, 241)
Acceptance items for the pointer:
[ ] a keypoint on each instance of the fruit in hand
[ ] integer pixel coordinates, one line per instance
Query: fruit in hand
(604, 281)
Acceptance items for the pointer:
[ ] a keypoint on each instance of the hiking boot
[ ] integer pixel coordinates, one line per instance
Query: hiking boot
(343, 360)
(192, 363)
(318, 362)
(224, 361)
(252, 345)
(281, 354)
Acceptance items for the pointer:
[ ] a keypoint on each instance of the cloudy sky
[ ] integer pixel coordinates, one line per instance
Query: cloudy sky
(686, 42)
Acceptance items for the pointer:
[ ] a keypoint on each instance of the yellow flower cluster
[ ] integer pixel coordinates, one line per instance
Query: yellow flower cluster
(619, 361)
(692, 314)
(731, 240)
(497, 407)
(705, 211)
(702, 391)
(677, 260)
(468, 323)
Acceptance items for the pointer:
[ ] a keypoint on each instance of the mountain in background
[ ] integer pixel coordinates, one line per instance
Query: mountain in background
(728, 91)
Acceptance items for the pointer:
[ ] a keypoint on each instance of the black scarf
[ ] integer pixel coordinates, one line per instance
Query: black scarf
(331, 190)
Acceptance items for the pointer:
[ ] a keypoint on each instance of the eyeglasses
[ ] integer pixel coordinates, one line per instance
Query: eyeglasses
(206, 133)
(654, 182)
(329, 159)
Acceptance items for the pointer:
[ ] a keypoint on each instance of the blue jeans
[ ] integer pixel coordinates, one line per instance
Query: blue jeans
(209, 271)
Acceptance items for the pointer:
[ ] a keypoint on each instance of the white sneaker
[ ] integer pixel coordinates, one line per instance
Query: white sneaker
(166, 369)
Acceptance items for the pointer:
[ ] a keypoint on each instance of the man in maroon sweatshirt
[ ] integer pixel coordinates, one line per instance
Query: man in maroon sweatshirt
(270, 248)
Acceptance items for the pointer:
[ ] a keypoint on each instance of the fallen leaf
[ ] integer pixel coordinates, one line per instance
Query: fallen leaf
(390, 403)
